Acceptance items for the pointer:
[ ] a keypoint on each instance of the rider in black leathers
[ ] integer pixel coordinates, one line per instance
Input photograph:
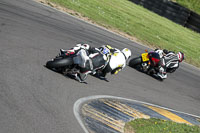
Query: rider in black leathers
(169, 61)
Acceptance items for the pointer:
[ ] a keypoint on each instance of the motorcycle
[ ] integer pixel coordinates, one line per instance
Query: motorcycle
(63, 63)
(148, 63)
(69, 63)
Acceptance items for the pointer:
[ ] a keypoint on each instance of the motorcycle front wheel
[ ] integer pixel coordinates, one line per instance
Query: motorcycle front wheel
(135, 62)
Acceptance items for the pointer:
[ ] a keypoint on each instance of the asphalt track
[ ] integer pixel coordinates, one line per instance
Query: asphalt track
(34, 99)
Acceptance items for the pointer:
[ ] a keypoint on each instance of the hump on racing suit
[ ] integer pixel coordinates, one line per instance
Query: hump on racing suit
(171, 60)
(117, 59)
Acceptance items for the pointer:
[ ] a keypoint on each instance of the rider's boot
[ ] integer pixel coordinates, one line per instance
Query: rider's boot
(102, 76)
(162, 73)
(80, 77)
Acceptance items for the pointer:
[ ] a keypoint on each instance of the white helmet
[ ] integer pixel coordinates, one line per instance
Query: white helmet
(87, 46)
(127, 53)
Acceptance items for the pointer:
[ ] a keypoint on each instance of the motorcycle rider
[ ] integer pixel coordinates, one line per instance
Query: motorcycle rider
(87, 58)
(90, 59)
(169, 61)
(117, 60)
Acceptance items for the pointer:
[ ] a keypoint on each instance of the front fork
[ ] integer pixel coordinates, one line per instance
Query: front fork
(145, 66)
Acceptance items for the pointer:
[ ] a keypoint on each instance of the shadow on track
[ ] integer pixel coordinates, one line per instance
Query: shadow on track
(98, 77)
(69, 76)
(151, 75)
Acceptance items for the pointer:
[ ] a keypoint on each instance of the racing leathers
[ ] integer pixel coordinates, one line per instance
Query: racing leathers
(117, 60)
(170, 61)
(161, 65)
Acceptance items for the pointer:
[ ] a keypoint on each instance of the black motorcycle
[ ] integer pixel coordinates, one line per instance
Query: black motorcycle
(63, 63)
(66, 63)
(149, 63)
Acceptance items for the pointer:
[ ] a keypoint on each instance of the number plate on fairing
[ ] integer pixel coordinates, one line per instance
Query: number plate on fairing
(145, 57)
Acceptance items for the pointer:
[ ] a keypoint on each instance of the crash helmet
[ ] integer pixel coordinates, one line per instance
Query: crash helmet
(180, 56)
(87, 46)
(127, 53)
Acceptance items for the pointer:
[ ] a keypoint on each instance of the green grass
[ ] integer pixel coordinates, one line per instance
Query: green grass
(134, 20)
(154, 125)
(193, 5)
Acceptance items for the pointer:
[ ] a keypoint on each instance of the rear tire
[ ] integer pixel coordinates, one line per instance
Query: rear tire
(135, 62)
(59, 63)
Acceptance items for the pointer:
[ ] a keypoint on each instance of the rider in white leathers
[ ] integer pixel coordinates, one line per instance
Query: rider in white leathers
(90, 59)
(117, 60)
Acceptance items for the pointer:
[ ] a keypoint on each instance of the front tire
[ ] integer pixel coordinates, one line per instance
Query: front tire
(135, 62)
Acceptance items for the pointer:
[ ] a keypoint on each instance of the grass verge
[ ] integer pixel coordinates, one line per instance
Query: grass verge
(154, 125)
(193, 5)
(134, 20)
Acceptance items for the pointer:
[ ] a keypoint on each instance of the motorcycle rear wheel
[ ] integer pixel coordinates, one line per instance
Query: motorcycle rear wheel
(135, 62)
(59, 63)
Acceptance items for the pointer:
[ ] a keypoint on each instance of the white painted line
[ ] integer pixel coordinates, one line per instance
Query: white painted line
(76, 110)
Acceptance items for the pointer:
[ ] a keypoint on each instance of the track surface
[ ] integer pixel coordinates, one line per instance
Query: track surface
(34, 99)
(105, 114)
